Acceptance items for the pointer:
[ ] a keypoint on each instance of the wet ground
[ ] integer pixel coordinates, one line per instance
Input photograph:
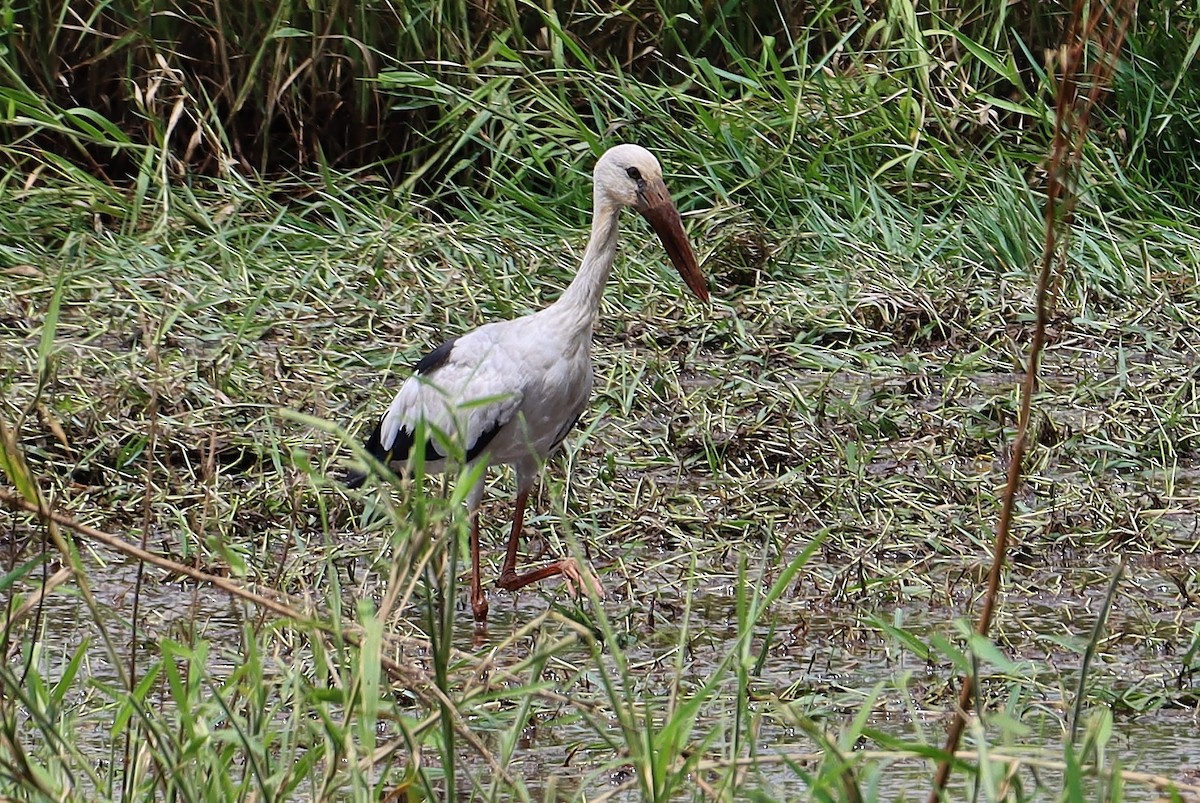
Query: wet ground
(825, 657)
(901, 474)
(904, 559)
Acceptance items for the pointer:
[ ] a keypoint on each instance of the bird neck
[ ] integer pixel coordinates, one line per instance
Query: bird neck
(580, 302)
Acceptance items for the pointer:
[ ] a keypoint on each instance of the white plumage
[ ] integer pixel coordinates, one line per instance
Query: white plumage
(510, 391)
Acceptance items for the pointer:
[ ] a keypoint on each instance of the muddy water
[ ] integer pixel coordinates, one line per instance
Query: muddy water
(184, 612)
(824, 656)
(167, 609)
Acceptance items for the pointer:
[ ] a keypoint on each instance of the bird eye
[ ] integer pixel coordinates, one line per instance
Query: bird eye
(634, 174)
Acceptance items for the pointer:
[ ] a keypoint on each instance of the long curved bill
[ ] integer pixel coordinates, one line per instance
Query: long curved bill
(655, 205)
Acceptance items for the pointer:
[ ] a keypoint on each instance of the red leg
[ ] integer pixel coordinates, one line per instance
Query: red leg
(567, 567)
(509, 570)
(479, 603)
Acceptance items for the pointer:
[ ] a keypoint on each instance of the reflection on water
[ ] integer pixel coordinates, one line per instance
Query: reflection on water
(820, 655)
(826, 657)
(167, 608)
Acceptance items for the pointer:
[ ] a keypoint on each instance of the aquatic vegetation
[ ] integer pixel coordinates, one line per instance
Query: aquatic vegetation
(191, 348)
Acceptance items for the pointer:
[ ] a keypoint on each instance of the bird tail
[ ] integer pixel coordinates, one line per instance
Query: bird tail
(374, 446)
(354, 478)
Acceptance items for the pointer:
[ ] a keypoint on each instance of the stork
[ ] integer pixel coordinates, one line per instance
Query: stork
(509, 392)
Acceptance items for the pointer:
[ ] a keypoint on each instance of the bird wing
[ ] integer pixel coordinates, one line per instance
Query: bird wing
(464, 392)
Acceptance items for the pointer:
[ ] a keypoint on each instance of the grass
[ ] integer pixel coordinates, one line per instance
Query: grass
(869, 402)
(789, 495)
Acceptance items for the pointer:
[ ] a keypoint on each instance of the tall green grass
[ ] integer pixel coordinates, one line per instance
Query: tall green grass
(431, 92)
(215, 212)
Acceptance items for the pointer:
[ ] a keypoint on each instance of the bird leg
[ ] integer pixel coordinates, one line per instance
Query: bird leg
(479, 603)
(576, 577)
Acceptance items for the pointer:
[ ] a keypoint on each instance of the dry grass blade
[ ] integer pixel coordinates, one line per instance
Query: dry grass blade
(1104, 28)
(46, 587)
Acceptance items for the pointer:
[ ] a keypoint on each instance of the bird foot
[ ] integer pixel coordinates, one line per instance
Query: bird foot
(479, 607)
(578, 578)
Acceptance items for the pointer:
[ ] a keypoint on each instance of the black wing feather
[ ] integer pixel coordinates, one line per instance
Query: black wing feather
(565, 431)
(404, 439)
(374, 447)
(484, 439)
(401, 449)
(435, 359)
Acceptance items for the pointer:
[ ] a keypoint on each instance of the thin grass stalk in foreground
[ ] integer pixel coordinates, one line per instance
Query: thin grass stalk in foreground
(147, 517)
(1105, 27)
(1090, 651)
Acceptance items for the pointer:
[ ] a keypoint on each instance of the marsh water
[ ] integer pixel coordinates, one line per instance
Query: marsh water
(825, 657)
(852, 632)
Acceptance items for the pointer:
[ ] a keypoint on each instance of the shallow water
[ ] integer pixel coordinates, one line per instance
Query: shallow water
(184, 611)
(825, 658)
(825, 655)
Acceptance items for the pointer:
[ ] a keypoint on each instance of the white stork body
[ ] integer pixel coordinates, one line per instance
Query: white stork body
(510, 391)
(512, 388)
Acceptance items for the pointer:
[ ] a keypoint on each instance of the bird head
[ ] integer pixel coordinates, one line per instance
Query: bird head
(629, 175)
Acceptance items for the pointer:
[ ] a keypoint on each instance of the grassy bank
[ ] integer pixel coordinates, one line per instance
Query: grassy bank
(789, 495)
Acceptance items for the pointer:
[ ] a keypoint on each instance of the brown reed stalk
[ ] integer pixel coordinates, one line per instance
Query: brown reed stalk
(408, 675)
(1096, 33)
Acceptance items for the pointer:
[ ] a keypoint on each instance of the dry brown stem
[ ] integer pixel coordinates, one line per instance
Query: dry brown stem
(411, 677)
(1104, 28)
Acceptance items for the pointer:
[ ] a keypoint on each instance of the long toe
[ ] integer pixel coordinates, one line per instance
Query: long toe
(579, 577)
